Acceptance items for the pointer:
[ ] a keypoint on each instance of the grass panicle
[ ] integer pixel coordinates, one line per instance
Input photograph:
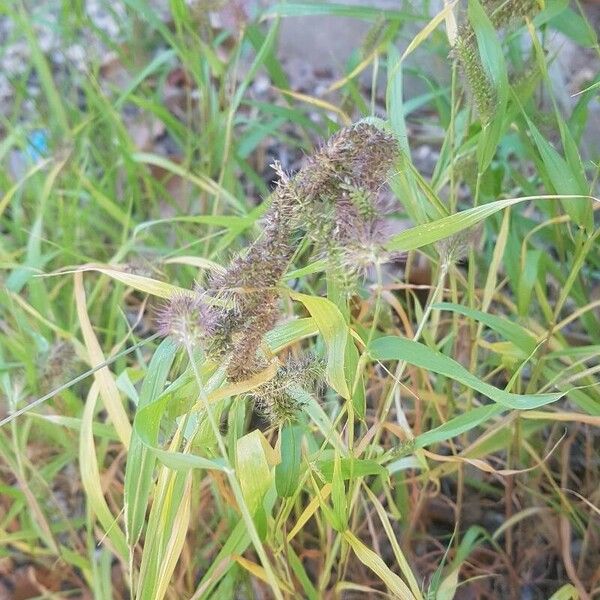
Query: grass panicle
(277, 399)
(187, 319)
(502, 13)
(334, 201)
(479, 82)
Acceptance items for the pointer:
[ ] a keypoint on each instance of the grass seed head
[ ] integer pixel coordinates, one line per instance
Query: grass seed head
(335, 201)
(455, 248)
(503, 13)
(275, 399)
(187, 319)
(478, 80)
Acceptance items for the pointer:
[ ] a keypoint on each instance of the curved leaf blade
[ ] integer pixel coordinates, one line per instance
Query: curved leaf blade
(415, 353)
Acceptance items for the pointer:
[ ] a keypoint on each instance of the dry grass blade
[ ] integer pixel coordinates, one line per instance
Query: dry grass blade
(109, 392)
(91, 479)
(397, 587)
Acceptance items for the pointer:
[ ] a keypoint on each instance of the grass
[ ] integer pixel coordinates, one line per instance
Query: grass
(453, 451)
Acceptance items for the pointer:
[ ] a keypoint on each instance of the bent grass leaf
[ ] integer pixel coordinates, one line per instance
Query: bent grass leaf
(333, 328)
(428, 233)
(90, 476)
(138, 282)
(513, 332)
(398, 588)
(310, 510)
(106, 384)
(420, 37)
(319, 103)
(415, 353)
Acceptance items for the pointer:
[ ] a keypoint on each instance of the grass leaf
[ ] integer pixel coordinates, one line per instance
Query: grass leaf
(333, 328)
(414, 353)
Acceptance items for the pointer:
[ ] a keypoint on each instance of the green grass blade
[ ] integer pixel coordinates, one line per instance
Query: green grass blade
(414, 353)
(428, 233)
(334, 330)
(304, 9)
(510, 330)
(287, 472)
(458, 425)
(140, 462)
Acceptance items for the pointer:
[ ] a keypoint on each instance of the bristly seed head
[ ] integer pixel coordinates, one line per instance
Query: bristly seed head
(187, 319)
(455, 248)
(481, 86)
(344, 209)
(502, 13)
(276, 400)
(505, 12)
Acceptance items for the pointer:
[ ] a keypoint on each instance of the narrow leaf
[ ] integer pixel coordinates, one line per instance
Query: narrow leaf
(415, 353)
(333, 328)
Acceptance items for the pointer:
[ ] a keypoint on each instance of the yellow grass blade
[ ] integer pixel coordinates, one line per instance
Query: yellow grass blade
(346, 120)
(376, 564)
(138, 282)
(90, 477)
(108, 388)
(444, 14)
(259, 572)
(195, 261)
(400, 558)
(310, 510)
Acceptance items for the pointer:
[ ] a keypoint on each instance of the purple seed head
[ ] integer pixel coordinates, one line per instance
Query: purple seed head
(187, 319)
